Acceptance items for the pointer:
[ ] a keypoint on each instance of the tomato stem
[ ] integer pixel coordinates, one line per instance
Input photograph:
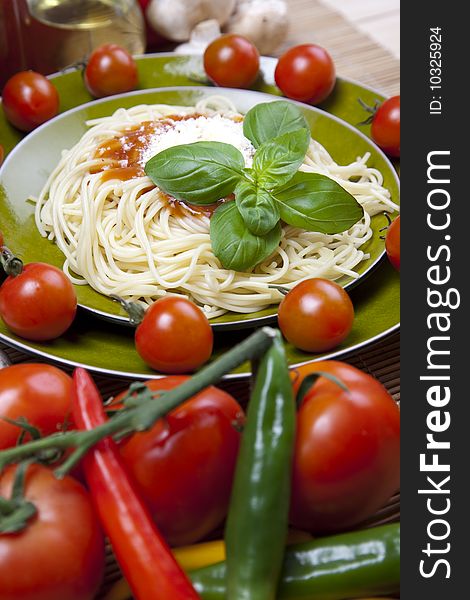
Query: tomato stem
(389, 219)
(16, 512)
(25, 427)
(309, 381)
(280, 288)
(11, 264)
(145, 413)
(135, 310)
(370, 109)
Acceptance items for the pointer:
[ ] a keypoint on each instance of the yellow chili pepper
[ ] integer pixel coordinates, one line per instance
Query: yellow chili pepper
(189, 557)
(196, 557)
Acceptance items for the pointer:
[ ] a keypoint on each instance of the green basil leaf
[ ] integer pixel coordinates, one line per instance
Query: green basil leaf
(272, 119)
(317, 203)
(234, 245)
(200, 173)
(258, 210)
(277, 160)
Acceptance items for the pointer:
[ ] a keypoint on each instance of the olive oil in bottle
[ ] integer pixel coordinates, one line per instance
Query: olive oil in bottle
(60, 33)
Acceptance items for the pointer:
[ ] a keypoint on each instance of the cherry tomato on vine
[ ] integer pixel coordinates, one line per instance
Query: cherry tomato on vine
(59, 554)
(232, 61)
(29, 99)
(385, 128)
(316, 315)
(306, 73)
(392, 243)
(184, 464)
(174, 336)
(347, 449)
(38, 392)
(38, 304)
(110, 70)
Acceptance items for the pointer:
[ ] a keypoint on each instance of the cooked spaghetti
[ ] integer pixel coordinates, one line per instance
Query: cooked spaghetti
(123, 236)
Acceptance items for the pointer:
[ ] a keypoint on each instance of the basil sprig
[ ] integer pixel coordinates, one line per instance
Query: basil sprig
(247, 231)
(271, 119)
(277, 160)
(234, 244)
(316, 203)
(258, 209)
(199, 173)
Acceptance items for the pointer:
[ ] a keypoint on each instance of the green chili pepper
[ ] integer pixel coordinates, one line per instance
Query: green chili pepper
(351, 565)
(257, 521)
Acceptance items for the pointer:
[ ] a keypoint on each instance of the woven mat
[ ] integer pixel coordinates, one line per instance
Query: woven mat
(357, 57)
(355, 54)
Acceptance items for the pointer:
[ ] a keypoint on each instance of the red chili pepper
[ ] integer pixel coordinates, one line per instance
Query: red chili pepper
(145, 559)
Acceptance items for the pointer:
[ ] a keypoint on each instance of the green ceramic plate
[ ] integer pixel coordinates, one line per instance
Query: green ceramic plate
(106, 348)
(40, 151)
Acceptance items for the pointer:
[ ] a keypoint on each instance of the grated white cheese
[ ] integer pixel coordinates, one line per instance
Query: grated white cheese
(208, 129)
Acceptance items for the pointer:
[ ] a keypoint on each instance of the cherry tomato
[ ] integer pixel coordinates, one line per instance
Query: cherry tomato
(110, 70)
(306, 73)
(316, 315)
(60, 553)
(184, 465)
(347, 450)
(392, 243)
(232, 61)
(41, 393)
(29, 99)
(174, 336)
(385, 129)
(38, 304)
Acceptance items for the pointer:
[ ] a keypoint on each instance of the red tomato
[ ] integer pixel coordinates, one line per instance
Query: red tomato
(392, 243)
(306, 73)
(29, 99)
(385, 129)
(184, 464)
(110, 70)
(174, 336)
(316, 315)
(40, 393)
(347, 451)
(232, 61)
(60, 553)
(39, 303)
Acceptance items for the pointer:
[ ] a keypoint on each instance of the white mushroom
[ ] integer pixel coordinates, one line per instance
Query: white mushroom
(263, 22)
(175, 19)
(201, 36)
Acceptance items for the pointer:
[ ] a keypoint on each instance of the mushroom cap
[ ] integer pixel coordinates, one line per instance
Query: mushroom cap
(175, 19)
(264, 22)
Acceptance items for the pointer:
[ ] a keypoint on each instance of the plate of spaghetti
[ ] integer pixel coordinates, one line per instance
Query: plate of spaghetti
(98, 216)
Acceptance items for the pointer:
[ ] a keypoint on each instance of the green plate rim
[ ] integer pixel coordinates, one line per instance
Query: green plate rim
(145, 376)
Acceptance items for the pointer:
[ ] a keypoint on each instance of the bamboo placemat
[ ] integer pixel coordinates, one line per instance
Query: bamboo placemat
(355, 54)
